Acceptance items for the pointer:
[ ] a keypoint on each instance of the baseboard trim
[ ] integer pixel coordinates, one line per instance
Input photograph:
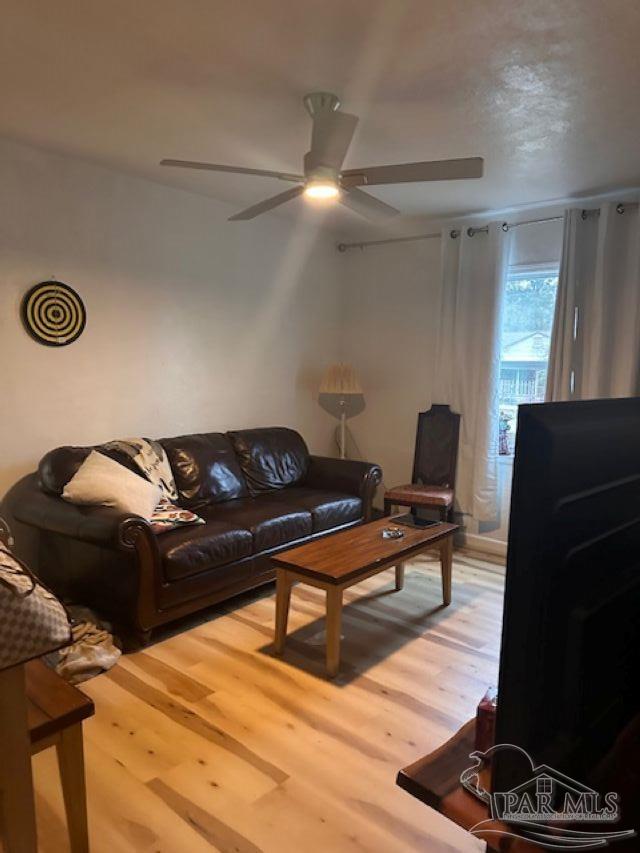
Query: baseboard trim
(484, 544)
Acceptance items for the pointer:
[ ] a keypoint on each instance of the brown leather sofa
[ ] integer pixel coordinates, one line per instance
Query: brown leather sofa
(258, 490)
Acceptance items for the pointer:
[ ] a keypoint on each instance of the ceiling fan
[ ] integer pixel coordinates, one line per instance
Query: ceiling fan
(324, 177)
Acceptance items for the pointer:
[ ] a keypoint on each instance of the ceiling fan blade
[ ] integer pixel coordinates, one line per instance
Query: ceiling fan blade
(331, 137)
(240, 170)
(434, 170)
(367, 205)
(267, 204)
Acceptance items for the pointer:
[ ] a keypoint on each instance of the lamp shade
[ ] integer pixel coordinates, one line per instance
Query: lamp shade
(340, 379)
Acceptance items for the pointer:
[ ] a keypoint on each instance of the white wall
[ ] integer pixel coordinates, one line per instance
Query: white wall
(193, 323)
(391, 319)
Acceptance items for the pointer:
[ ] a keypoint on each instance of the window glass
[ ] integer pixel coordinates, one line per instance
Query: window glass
(530, 299)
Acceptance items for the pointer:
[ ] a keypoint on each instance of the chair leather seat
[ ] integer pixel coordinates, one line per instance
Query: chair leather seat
(198, 548)
(270, 520)
(328, 509)
(418, 495)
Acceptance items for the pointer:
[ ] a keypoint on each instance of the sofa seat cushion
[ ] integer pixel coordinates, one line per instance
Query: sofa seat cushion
(271, 521)
(192, 550)
(328, 509)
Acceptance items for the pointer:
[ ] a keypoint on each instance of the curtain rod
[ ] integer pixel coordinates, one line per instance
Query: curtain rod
(506, 226)
(342, 247)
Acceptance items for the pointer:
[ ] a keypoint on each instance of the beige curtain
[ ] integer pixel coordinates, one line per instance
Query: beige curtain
(595, 347)
(468, 358)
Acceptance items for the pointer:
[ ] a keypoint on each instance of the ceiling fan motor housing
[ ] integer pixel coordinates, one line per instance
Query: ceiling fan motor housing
(317, 102)
(314, 171)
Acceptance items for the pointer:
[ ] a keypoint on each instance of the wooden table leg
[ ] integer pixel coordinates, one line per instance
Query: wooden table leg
(446, 561)
(71, 763)
(18, 816)
(334, 622)
(284, 582)
(399, 576)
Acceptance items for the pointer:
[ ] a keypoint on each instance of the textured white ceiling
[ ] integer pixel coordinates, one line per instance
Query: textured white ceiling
(547, 91)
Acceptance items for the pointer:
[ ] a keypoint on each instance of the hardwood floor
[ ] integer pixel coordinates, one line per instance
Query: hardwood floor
(206, 741)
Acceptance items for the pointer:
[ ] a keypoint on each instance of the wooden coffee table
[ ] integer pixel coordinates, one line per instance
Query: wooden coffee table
(341, 560)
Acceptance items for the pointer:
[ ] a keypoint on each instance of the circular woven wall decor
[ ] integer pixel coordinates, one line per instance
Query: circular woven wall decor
(53, 314)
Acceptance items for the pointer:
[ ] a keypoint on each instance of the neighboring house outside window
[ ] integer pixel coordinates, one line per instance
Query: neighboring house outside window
(530, 298)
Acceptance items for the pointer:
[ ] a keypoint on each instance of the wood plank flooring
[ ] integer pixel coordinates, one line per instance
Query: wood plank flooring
(206, 741)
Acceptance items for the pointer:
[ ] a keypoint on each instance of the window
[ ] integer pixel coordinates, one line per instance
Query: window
(544, 785)
(530, 299)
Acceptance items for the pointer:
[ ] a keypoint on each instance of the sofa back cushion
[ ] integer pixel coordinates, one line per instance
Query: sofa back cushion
(205, 468)
(270, 458)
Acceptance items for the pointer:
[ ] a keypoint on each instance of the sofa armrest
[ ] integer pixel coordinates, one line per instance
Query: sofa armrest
(346, 475)
(97, 525)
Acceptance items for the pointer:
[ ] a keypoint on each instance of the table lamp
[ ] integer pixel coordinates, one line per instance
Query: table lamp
(341, 395)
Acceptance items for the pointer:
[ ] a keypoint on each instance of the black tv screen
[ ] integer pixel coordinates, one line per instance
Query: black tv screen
(570, 656)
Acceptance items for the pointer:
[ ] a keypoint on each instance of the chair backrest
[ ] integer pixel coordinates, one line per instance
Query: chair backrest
(436, 453)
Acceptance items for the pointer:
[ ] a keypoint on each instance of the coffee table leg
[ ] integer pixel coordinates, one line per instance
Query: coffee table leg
(284, 582)
(334, 620)
(446, 561)
(399, 576)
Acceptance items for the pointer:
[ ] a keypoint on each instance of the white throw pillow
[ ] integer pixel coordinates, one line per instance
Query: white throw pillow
(101, 481)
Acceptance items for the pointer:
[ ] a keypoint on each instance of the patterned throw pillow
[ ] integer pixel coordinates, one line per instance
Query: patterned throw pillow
(168, 516)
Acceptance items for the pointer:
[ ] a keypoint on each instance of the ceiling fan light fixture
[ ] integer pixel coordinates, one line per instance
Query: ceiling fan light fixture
(321, 189)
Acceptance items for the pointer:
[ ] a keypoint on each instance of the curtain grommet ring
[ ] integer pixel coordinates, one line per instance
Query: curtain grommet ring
(620, 208)
(505, 227)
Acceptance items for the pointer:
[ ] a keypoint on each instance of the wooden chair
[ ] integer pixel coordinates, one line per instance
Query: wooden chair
(39, 710)
(433, 480)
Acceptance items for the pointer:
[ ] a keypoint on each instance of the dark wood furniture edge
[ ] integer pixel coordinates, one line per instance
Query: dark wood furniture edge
(437, 774)
(434, 779)
(52, 703)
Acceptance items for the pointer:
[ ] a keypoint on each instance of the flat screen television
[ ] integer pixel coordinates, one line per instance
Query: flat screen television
(570, 658)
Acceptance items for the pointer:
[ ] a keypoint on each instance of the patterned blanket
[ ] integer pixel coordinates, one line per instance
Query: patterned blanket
(151, 460)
